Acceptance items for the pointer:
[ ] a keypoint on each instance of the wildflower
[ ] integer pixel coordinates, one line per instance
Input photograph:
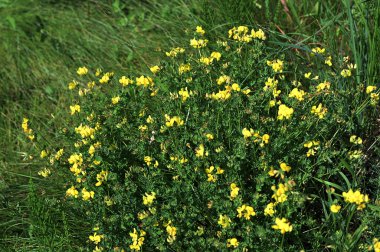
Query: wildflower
(200, 151)
(328, 61)
(312, 146)
(101, 177)
(234, 191)
(91, 84)
(323, 86)
(155, 69)
(58, 154)
(376, 245)
(307, 75)
(356, 197)
(370, 89)
(200, 30)
(374, 98)
(356, 140)
(43, 154)
(115, 100)
(125, 81)
(246, 211)
(200, 43)
(235, 87)
(143, 128)
(144, 81)
(297, 93)
(224, 221)
(72, 192)
(137, 241)
(269, 209)
(320, 111)
(172, 232)
(223, 79)
(216, 56)
(85, 131)
(280, 193)
(265, 138)
(284, 112)
(73, 84)
(149, 198)
(258, 34)
(346, 73)
(87, 195)
(44, 172)
(183, 68)
(317, 50)
(205, 60)
(283, 225)
(106, 78)
(185, 93)
(240, 34)
(277, 65)
(285, 167)
(96, 238)
(74, 108)
(233, 242)
(82, 71)
(209, 136)
(170, 121)
(174, 52)
(335, 208)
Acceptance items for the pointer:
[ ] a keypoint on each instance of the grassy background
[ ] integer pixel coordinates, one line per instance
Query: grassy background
(44, 41)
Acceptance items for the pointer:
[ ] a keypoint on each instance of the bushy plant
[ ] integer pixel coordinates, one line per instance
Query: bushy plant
(224, 145)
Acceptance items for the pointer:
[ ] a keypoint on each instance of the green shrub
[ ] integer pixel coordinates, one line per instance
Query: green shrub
(224, 145)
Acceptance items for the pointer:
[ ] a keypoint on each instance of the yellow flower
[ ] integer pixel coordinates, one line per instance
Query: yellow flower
(277, 65)
(370, 89)
(346, 73)
(149, 119)
(216, 55)
(72, 192)
(307, 75)
(149, 198)
(82, 71)
(170, 121)
(115, 100)
(283, 225)
(174, 51)
(265, 138)
(43, 154)
(247, 133)
(185, 93)
(328, 61)
(73, 84)
(183, 68)
(125, 81)
(235, 87)
(101, 177)
(285, 167)
(224, 221)
(323, 86)
(335, 208)
(96, 238)
(74, 108)
(172, 232)
(234, 191)
(284, 112)
(106, 78)
(223, 79)
(155, 69)
(297, 93)
(258, 34)
(144, 81)
(376, 245)
(356, 197)
(280, 193)
(200, 30)
(200, 151)
(44, 172)
(87, 195)
(319, 111)
(233, 242)
(318, 50)
(198, 43)
(269, 209)
(137, 241)
(356, 140)
(246, 211)
(209, 136)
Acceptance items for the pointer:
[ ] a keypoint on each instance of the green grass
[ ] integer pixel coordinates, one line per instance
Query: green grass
(43, 43)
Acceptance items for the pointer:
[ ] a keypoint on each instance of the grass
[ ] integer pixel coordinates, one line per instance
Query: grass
(43, 42)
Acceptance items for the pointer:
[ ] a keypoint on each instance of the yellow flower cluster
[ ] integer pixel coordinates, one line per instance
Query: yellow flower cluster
(319, 111)
(106, 78)
(264, 139)
(74, 108)
(356, 140)
(376, 245)
(323, 86)
(335, 208)
(284, 112)
(269, 209)
(149, 198)
(200, 30)
(44, 172)
(246, 212)
(170, 121)
(280, 193)
(283, 225)
(356, 197)
(76, 161)
(277, 65)
(101, 177)
(211, 176)
(234, 191)
(375, 97)
(223, 79)
(85, 131)
(28, 131)
(87, 195)
(233, 242)
(174, 52)
(200, 152)
(125, 81)
(241, 33)
(317, 50)
(72, 192)
(144, 81)
(312, 146)
(137, 240)
(82, 71)
(297, 93)
(183, 68)
(224, 221)
(185, 94)
(198, 43)
(96, 238)
(208, 60)
(172, 232)
(155, 69)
